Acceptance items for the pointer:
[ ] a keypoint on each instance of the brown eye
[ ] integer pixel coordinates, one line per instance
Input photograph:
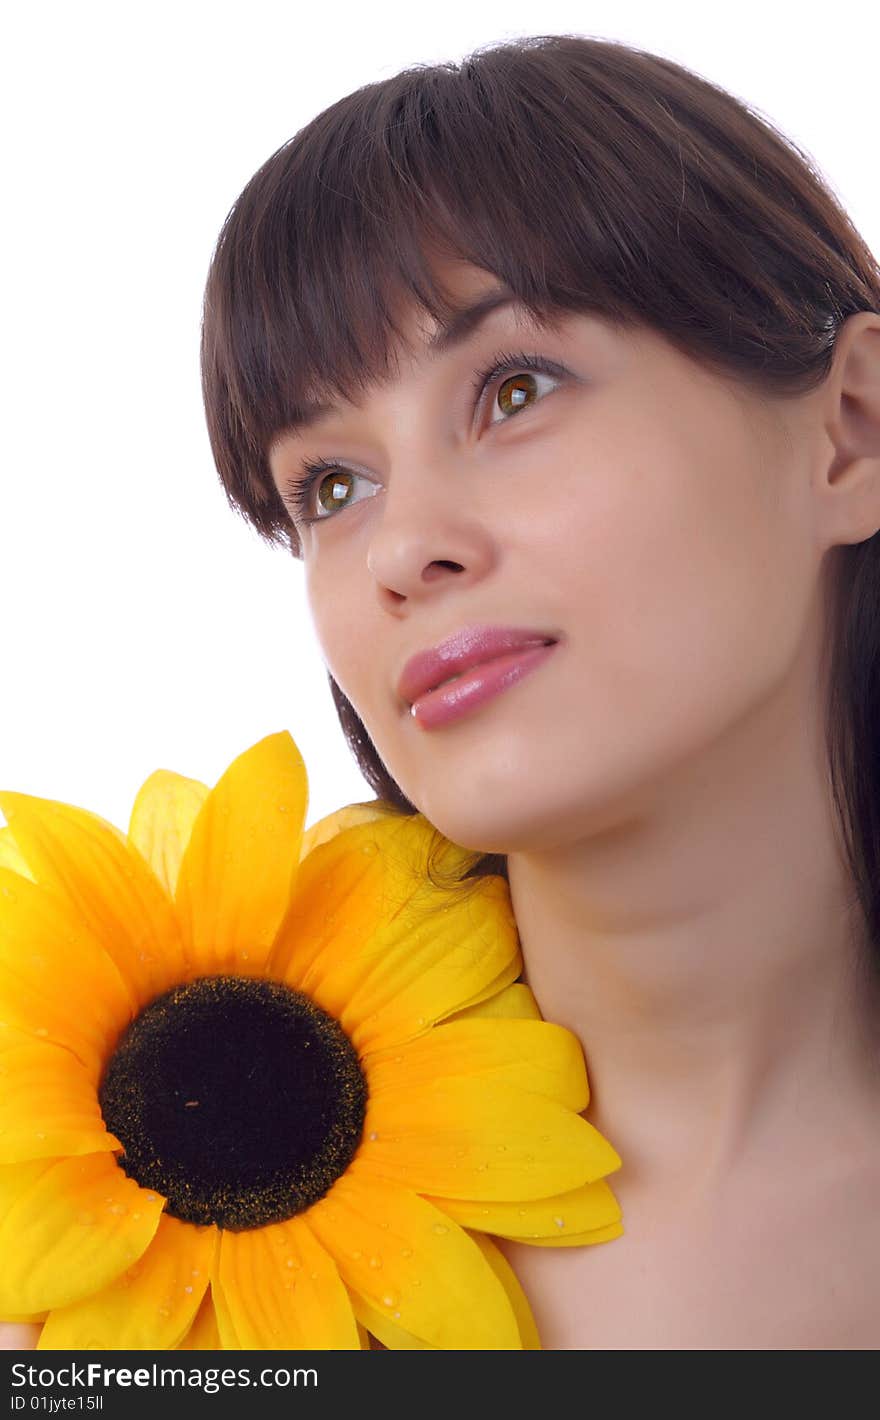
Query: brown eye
(521, 390)
(514, 392)
(331, 491)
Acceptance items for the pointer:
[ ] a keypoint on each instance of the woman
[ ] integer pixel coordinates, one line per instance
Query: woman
(625, 264)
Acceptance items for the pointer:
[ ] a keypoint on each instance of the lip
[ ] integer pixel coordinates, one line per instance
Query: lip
(471, 646)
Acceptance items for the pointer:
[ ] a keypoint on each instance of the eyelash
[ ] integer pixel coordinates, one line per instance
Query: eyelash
(299, 489)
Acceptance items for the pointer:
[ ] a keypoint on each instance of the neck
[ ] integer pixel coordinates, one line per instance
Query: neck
(704, 948)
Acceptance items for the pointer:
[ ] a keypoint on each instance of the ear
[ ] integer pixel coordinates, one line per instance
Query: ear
(847, 473)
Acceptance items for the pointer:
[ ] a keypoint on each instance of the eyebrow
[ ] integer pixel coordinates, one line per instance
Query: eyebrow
(462, 325)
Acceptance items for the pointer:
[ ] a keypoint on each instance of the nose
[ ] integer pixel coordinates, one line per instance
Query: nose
(428, 529)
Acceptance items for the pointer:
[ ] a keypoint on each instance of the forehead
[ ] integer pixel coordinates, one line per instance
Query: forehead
(475, 298)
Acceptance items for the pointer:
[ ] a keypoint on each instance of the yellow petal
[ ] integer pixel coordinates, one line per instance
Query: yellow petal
(411, 1262)
(328, 827)
(239, 866)
(9, 1035)
(67, 1228)
(150, 1306)
(476, 1139)
(48, 1105)
(204, 1334)
(395, 1339)
(392, 1335)
(56, 983)
(486, 992)
(535, 1056)
(510, 1282)
(11, 856)
(276, 1288)
(597, 1235)
(351, 880)
(108, 886)
(164, 811)
(544, 1221)
(373, 941)
(516, 1000)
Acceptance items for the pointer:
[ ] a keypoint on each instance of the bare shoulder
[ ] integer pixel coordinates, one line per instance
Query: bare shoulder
(18, 1336)
(786, 1268)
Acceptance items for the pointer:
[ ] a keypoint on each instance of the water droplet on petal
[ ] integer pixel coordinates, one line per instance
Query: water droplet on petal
(164, 1311)
(375, 1262)
(560, 1222)
(372, 1134)
(188, 1288)
(440, 1228)
(389, 1300)
(406, 1252)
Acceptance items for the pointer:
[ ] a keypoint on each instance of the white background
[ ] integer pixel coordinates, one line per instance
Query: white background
(144, 625)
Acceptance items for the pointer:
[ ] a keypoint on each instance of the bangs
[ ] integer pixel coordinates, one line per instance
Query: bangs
(545, 163)
(335, 240)
(345, 221)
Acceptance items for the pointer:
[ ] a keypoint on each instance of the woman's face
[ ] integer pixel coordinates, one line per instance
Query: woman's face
(652, 519)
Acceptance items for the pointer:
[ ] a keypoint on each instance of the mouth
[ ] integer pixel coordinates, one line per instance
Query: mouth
(472, 645)
(459, 675)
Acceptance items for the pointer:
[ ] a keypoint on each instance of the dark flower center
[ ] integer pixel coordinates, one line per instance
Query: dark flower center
(236, 1098)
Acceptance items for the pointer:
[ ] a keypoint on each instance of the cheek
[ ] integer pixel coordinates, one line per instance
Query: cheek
(338, 611)
(691, 589)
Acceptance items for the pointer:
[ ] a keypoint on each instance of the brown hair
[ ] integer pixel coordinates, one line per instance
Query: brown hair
(587, 176)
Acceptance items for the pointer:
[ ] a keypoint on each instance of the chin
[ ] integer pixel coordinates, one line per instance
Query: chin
(495, 831)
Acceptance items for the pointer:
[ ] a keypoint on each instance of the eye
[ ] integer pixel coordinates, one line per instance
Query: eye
(517, 392)
(299, 489)
(521, 387)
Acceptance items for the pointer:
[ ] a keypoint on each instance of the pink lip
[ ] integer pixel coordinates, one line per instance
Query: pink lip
(477, 686)
(469, 647)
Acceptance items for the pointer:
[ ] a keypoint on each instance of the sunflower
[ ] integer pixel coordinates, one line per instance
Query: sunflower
(265, 1088)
